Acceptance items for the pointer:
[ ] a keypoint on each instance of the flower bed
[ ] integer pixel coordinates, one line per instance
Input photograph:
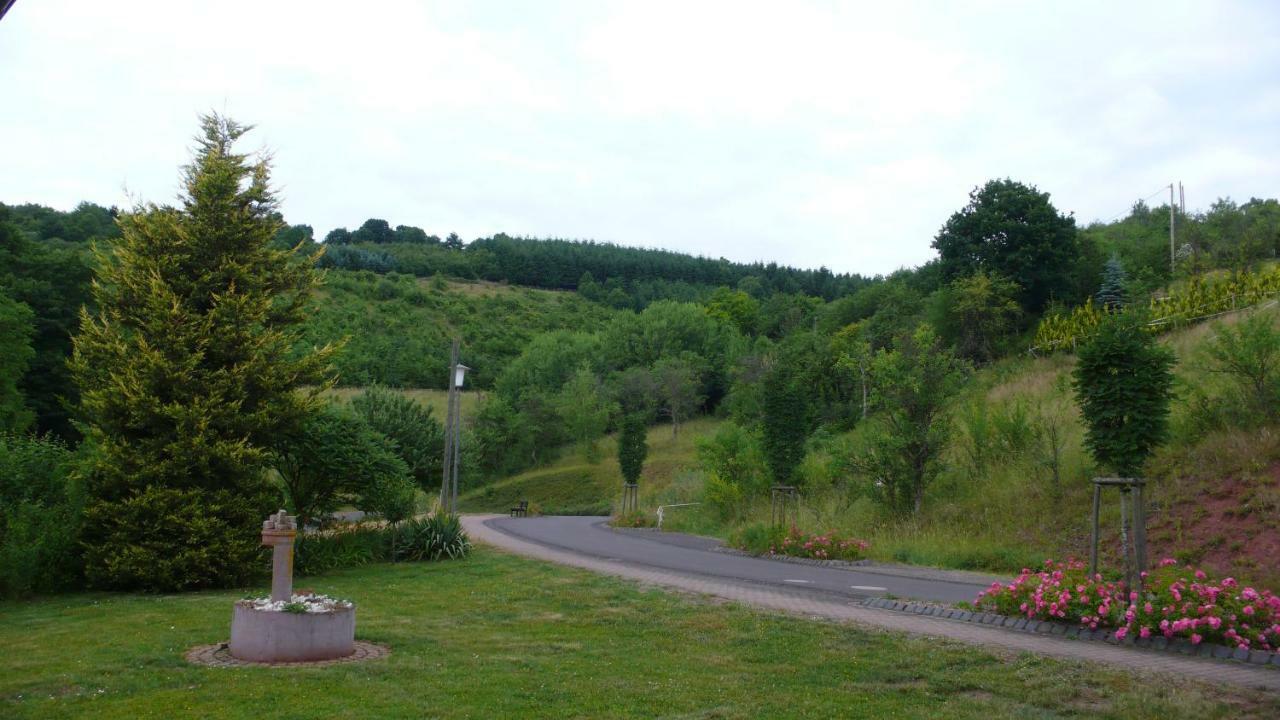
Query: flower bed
(765, 540)
(299, 604)
(1177, 601)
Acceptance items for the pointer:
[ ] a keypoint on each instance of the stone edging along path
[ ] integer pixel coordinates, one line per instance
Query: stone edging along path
(1180, 646)
(829, 607)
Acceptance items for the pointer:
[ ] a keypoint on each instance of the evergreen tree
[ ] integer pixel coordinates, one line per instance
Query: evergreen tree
(632, 446)
(785, 423)
(189, 369)
(1113, 293)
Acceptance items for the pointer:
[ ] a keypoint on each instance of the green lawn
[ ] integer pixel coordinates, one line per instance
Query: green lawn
(499, 636)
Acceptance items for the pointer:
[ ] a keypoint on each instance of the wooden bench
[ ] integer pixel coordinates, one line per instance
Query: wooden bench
(521, 509)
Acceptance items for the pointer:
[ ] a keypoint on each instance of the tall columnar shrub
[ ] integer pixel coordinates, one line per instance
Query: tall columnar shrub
(786, 423)
(632, 446)
(189, 369)
(1123, 384)
(1113, 293)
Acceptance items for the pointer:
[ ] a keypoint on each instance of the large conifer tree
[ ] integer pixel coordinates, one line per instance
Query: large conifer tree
(188, 369)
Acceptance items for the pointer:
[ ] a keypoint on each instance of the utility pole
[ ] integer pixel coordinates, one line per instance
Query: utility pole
(1182, 200)
(452, 435)
(1172, 263)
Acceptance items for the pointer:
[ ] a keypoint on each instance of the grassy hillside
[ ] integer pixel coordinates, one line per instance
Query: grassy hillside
(398, 328)
(1215, 494)
(575, 486)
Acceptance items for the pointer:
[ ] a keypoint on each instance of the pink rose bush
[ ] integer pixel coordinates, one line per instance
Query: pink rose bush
(1177, 601)
(823, 546)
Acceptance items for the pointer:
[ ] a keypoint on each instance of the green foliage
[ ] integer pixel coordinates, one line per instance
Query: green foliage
(1248, 355)
(632, 446)
(1014, 230)
(51, 277)
(915, 383)
(169, 539)
(398, 330)
(1124, 384)
(189, 371)
(975, 313)
(335, 457)
(418, 436)
(39, 517)
(1200, 297)
(415, 540)
(785, 424)
(586, 410)
(736, 308)
(437, 537)
(1114, 292)
(734, 464)
(15, 337)
(679, 388)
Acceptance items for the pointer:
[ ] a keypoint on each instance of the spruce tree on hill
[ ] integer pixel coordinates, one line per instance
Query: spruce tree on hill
(189, 369)
(1113, 293)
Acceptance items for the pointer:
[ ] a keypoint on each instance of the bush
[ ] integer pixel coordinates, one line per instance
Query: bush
(1124, 383)
(418, 435)
(166, 539)
(1176, 601)
(344, 546)
(335, 457)
(433, 538)
(1248, 355)
(762, 540)
(40, 510)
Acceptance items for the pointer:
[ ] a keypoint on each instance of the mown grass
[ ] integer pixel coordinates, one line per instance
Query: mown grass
(496, 636)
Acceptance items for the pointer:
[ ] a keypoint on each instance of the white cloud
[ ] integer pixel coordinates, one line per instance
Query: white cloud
(811, 133)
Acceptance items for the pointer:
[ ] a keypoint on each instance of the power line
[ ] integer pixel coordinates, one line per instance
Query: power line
(1130, 209)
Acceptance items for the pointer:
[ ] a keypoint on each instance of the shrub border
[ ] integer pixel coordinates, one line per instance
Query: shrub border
(1179, 646)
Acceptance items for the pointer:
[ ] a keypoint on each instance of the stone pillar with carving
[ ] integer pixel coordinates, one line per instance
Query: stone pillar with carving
(279, 531)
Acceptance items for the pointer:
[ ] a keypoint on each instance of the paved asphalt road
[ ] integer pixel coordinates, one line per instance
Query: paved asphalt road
(695, 555)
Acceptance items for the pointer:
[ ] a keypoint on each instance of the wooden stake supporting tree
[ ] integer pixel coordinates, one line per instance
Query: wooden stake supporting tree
(1132, 515)
(785, 501)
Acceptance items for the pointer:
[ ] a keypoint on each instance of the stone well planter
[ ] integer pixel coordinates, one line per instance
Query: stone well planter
(269, 635)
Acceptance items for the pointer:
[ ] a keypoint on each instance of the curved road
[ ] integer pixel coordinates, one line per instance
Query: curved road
(693, 555)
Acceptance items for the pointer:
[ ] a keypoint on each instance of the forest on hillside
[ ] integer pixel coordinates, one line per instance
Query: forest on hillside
(864, 386)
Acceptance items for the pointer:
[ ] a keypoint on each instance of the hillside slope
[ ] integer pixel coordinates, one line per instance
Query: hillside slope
(398, 328)
(1003, 502)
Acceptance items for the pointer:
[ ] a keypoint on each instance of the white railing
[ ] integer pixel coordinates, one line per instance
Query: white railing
(664, 507)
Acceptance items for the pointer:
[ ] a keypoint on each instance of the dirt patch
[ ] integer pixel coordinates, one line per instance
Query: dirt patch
(1228, 526)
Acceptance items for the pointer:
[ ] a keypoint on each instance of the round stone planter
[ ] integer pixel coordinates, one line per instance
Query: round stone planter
(274, 636)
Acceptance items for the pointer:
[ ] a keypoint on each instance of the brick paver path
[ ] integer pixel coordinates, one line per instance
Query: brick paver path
(798, 603)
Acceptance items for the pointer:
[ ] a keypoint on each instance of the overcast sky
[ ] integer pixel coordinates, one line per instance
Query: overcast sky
(837, 134)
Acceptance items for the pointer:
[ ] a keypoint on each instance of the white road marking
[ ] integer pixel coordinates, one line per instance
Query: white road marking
(873, 588)
(801, 582)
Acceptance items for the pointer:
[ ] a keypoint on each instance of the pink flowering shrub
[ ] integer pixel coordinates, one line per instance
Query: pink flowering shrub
(766, 540)
(824, 546)
(1177, 601)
